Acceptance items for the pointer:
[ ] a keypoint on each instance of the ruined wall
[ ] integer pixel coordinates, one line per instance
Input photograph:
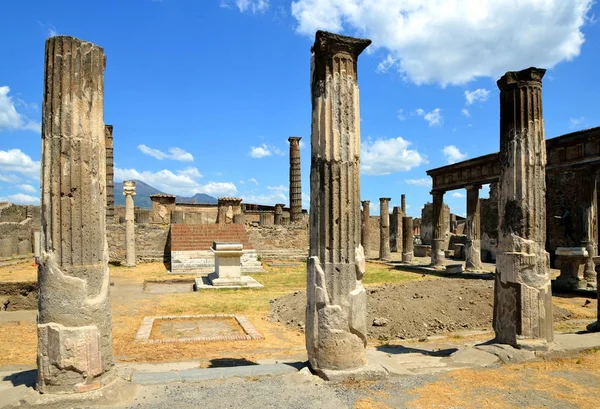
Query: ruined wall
(16, 239)
(279, 237)
(10, 212)
(198, 213)
(151, 241)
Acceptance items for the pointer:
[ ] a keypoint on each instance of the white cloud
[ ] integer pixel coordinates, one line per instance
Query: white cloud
(182, 183)
(420, 111)
(434, 117)
(263, 150)
(252, 6)
(575, 122)
(458, 194)
(174, 153)
(386, 64)
(27, 188)
(479, 95)
(385, 156)
(426, 182)
(10, 119)
(280, 188)
(453, 154)
(15, 161)
(20, 198)
(476, 38)
(253, 180)
(464, 112)
(9, 178)
(401, 115)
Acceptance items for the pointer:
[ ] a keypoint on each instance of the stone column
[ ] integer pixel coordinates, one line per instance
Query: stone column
(522, 295)
(589, 193)
(396, 230)
(336, 332)
(407, 239)
(279, 214)
(129, 192)
(365, 232)
(110, 175)
(438, 256)
(384, 228)
(295, 180)
(403, 203)
(472, 230)
(74, 322)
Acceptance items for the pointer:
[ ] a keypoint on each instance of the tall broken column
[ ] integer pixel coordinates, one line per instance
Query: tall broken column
(384, 228)
(472, 229)
(295, 180)
(110, 174)
(589, 205)
(336, 332)
(365, 231)
(438, 257)
(407, 239)
(522, 295)
(74, 351)
(403, 203)
(129, 192)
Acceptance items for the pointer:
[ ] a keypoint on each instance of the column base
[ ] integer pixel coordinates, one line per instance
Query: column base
(365, 373)
(593, 327)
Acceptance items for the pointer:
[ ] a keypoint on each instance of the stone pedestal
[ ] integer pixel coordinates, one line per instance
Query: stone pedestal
(438, 256)
(295, 180)
(74, 351)
(365, 230)
(278, 219)
(407, 239)
(228, 266)
(472, 230)
(384, 228)
(572, 265)
(336, 327)
(129, 192)
(522, 295)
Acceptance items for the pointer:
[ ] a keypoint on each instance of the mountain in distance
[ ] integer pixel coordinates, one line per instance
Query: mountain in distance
(144, 190)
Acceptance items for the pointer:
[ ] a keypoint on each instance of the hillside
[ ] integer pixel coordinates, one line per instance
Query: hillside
(144, 190)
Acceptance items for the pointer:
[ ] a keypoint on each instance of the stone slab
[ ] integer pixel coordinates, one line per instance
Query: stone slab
(473, 357)
(571, 251)
(366, 373)
(454, 268)
(205, 283)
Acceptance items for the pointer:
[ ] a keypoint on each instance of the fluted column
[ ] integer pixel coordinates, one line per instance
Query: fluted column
(384, 228)
(396, 230)
(295, 180)
(279, 213)
(403, 203)
(110, 175)
(407, 239)
(523, 298)
(129, 192)
(336, 332)
(365, 227)
(438, 257)
(589, 203)
(74, 322)
(472, 230)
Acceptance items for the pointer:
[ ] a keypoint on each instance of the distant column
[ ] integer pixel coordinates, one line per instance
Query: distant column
(336, 331)
(74, 351)
(589, 204)
(110, 175)
(295, 180)
(438, 256)
(365, 226)
(396, 230)
(407, 239)
(403, 203)
(384, 228)
(279, 213)
(472, 230)
(522, 296)
(129, 192)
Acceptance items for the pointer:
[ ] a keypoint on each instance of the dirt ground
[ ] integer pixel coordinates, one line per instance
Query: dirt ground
(417, 309)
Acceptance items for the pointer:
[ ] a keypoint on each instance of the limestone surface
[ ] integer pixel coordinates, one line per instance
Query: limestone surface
(384, 228)
(336, 329)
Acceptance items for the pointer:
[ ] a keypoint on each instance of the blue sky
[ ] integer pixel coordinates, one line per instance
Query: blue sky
(204, 94)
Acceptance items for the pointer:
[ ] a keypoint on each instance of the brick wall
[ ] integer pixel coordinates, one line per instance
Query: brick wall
(186, 237)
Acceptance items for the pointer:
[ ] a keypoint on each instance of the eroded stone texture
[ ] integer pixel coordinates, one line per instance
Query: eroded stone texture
(110, 174)
(589, 205)
(473, 230)
(336, 331)
(228, 207)
(523, 299)
(74, 320)
(384, 228)
(407, 239)
(439, 237)
(295, 180)
(278, 217)
(129, 192)
(396, 230)
(365, 230)
(266, 219)
(162, 206)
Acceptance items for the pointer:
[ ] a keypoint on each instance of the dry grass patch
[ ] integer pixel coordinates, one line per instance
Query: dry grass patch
(18, 343)
(26, 271)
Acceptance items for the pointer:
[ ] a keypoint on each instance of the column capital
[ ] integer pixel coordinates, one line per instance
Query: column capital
(329, 44)
(385, 199)
(365, 202)
(473, 187)
(439, 193)
(129, 188)
(531, 76)
(294, 139)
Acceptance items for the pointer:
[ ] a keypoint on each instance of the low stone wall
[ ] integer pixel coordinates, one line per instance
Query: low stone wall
(279, 237)
(152, 243)
(16, 239)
